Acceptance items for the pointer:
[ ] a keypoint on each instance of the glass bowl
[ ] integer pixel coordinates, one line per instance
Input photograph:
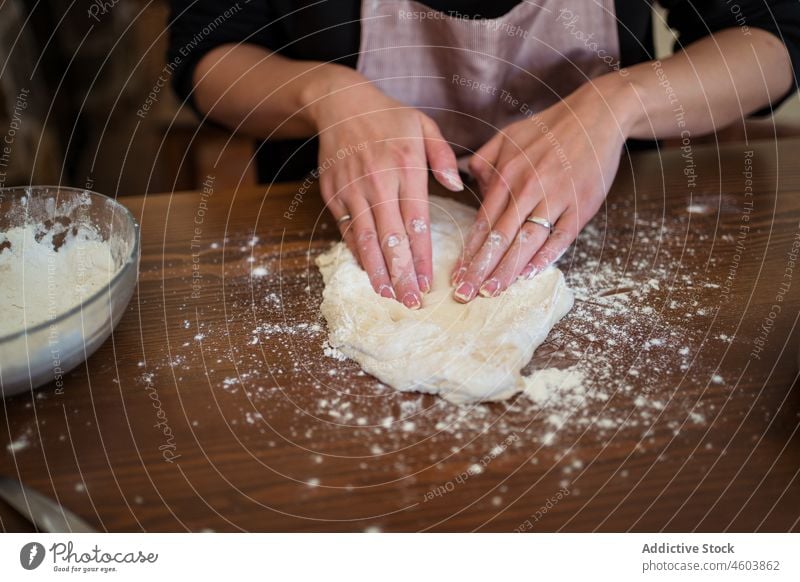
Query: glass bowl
(61, 340)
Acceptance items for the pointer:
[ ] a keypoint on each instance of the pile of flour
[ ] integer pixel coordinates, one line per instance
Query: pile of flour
(46, 272)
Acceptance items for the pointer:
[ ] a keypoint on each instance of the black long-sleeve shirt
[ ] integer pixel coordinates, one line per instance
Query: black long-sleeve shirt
(330, 31)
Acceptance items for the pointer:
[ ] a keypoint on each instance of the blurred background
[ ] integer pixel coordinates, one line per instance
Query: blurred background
(85, 100)
(74, 79)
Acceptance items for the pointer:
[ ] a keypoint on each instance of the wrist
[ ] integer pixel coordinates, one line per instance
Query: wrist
(620, 96)
(317, 94)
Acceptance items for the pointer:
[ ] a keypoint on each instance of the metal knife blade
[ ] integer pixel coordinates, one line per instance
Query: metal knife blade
(47, 515)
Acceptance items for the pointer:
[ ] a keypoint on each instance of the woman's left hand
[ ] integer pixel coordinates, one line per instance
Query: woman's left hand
(557, 165)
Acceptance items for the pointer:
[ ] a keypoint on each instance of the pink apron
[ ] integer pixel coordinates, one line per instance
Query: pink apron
(475, 76)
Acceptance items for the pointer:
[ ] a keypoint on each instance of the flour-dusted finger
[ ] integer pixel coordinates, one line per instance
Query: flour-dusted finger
(497, 243)
(397, 252)
(491, 209)
(509, 178)
(491, 252)
(528, 241)
(365, 235)
(564, 233)
(482, 264)
(414, 209)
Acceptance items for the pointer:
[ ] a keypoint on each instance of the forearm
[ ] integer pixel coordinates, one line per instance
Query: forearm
(263, 94)
(710, 85)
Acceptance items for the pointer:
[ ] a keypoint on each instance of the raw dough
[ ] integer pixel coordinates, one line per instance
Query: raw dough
(466, 353)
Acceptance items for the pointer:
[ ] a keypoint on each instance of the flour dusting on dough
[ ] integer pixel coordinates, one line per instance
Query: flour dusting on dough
(465, 353)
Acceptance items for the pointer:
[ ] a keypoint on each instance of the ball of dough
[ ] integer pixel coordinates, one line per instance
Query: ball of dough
(464, 352)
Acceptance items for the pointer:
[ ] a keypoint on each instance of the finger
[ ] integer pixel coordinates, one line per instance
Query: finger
(331, 194)
(365, 236)
(496, 196)
(482, 163)
(529, 240)
(340, 215)
(505, 230)
(513, 165)
(440, 156)
(414, 210)
(397, 252)
(491, 209)
(565, 231)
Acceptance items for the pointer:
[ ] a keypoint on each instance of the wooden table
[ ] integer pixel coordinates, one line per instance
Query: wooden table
(214, 406)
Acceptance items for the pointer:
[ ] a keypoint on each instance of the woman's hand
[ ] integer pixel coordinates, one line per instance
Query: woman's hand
(557, 165)
(374, 156)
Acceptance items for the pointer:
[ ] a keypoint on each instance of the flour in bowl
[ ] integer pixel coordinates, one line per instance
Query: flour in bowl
(45, 272)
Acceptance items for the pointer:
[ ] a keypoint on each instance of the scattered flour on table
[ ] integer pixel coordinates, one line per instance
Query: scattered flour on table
(633, 293)
(698, 209)
(21, 443)
(544, 385)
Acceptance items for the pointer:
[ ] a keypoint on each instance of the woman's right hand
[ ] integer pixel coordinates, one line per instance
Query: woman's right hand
(374, 156)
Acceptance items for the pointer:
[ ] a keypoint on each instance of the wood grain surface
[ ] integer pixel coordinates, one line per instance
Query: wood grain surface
(214, 405)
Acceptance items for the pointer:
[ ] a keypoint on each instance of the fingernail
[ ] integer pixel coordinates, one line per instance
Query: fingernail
(490, 288)
(411, 301)
(457, 276)
(453, 180)
(387, 292)
(532, 273)
(424, 283)
(465, 292)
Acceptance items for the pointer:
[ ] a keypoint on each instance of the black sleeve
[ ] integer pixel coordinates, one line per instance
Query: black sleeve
(198, 26)
(695, 19)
